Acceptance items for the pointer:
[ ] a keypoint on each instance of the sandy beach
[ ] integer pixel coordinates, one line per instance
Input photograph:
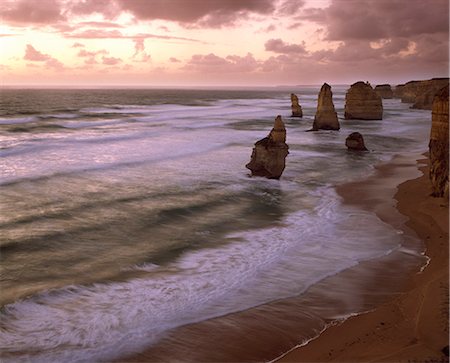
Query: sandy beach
(414, 326)
(409, 323)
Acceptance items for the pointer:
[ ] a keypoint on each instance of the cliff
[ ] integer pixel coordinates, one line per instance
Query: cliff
(439, 144)
(420, 93)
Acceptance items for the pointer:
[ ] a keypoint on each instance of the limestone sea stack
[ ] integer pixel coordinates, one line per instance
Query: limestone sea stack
(296, 108)
(269, 154)
(363, 103)
(355, 141)
(439, 144)
(384, 91)
(326, 116)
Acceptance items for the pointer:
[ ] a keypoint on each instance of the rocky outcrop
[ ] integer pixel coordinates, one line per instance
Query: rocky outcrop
(355, 141)
(439, 144)
(384, 91)
(269, 154)
(296, 108)
(420, 93)
(326, 116)
(363, 103)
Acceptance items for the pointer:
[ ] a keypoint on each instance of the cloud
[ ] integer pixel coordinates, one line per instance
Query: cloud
(95, 34)
(139, 46)
(211, 63)
(140, 55)
(77, 45)
(111, 61)
(373, 20)
(108, 8)
(174, 60)
(100, 24)
(279, 46)
(210, 13)
(290, 7)
(31, 12)
(34, 55)
(84, 53)
(116, 34)
(31, 54)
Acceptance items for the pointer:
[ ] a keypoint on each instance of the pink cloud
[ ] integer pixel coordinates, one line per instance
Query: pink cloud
(31, 12)
(290, 7)
(34, 55)
(31, 54)
(108, 8)
(100, 24)
(85, 53)
(373, 20)
(211, 13)
(116, 34)
(111, 61)
(96, 34)
(279, 46)
(139, 46)
(212, 63)
(77, 45)
(174, 60)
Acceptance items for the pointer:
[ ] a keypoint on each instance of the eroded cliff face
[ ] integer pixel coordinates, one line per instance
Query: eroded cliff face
(363, 103)
(269, 154)
(420, 93)
(384, 91)
(439, 144)
(296, 108)
(326, 116)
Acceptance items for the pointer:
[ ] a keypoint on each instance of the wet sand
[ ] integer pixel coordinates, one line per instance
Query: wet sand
(406, 326)
(413, 327)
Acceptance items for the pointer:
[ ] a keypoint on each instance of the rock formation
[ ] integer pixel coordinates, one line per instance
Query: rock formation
(269, 154)
(355, 141)
(296, 108)
(420, 93)
(326, 116)
(384, 91)
(439, 144)
(362, 102)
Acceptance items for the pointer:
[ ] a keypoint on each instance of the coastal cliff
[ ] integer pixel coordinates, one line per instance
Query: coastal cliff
(439, 144)
(420, 93)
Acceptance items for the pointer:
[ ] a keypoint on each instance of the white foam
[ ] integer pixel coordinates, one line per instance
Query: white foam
(79, 323)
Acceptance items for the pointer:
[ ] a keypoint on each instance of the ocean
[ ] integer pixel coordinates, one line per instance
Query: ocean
(128, 214)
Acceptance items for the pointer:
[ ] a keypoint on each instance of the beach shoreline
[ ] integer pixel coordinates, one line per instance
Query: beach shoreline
(412, 327)
(283, 319)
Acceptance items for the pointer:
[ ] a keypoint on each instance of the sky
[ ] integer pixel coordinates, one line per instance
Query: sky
(221, 42)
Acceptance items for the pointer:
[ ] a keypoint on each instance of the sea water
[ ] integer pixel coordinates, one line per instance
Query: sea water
(128, 213)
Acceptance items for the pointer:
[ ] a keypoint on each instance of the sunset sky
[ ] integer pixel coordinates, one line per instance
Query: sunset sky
(221, 42)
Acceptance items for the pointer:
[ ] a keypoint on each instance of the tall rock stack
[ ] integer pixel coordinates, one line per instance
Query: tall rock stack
(363, 103)
(269, 154)
(439, 144)
(326, 116)
(296, 108)
(384, 91)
